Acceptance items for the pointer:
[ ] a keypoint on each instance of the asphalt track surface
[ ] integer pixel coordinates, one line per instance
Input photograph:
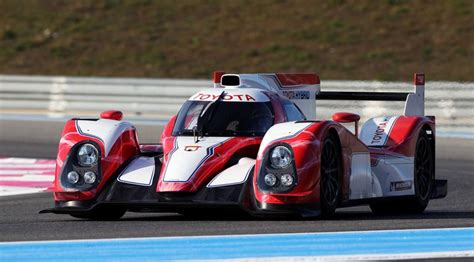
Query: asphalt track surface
(20, 221)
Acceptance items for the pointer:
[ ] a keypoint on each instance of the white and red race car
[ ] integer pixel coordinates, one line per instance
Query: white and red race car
(250, 143)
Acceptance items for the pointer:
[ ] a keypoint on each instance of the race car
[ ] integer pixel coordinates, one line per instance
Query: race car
(252, 143)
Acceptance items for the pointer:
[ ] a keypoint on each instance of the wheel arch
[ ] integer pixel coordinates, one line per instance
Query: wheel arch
(431, 136)
(332, 132)
(428, 129)
(405, 133)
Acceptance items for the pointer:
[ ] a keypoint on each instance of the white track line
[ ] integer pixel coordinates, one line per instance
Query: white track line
(28, 178)
(13, 190)
(368, 257)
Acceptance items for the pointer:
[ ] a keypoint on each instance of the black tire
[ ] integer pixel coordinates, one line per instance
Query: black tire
(424, 177)
(103, 214)
(330, 190)
(424, 173)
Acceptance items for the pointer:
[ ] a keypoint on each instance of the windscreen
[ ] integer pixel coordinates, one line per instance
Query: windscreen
(224, 118)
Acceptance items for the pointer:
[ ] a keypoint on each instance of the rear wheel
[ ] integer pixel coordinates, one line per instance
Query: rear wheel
(330, 173)
(101, 214)
(424, 176)
(424, 173)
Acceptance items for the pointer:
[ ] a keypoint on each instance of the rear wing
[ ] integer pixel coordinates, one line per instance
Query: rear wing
(414, 101)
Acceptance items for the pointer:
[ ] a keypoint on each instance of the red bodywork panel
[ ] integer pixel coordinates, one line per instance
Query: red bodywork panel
(291, 79)
(124, 148)
(112, 114)
(345, 117)
(403, 136)
(306, 148)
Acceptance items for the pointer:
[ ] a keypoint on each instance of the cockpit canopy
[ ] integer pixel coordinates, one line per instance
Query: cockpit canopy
(224, 118)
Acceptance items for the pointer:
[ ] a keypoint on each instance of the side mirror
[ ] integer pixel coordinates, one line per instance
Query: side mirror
(112, 114)
(345, 117)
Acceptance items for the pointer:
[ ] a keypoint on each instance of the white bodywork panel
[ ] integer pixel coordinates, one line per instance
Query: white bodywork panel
(391, 176)
(282, 131)
(234, 175)
(187, 157)
(395, 175)
(108, 131)
(415, 103)
(376, 131)
(363, 184)
(139, 172)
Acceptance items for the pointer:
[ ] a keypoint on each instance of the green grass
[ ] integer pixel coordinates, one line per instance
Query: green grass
(338, 39)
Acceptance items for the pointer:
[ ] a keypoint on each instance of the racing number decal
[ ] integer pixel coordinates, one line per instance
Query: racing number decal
(191, 148)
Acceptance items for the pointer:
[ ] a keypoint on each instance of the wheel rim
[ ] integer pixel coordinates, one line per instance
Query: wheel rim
(423, 169)
(329, 172)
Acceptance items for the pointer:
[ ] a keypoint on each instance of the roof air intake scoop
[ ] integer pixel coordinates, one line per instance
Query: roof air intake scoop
(230, 80)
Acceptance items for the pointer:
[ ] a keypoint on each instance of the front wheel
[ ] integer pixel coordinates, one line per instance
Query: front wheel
(330, 174)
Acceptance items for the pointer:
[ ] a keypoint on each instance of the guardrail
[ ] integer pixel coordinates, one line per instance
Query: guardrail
(152, 99)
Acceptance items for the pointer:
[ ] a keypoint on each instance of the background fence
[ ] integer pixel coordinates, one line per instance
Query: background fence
(158, 99)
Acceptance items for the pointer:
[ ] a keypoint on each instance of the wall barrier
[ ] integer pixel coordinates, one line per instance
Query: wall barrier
(158, 99)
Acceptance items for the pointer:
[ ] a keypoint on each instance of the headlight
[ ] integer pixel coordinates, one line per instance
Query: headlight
(89, 177)
(270, 179)
(87, 155)
(280, 157)
(73, 177)
(287, 180)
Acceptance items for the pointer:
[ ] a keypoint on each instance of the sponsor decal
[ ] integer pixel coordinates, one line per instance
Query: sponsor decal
(380, 131)
(227, 97)
(296, 94)
(400, 185)
(191, 148)
(376, 132)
